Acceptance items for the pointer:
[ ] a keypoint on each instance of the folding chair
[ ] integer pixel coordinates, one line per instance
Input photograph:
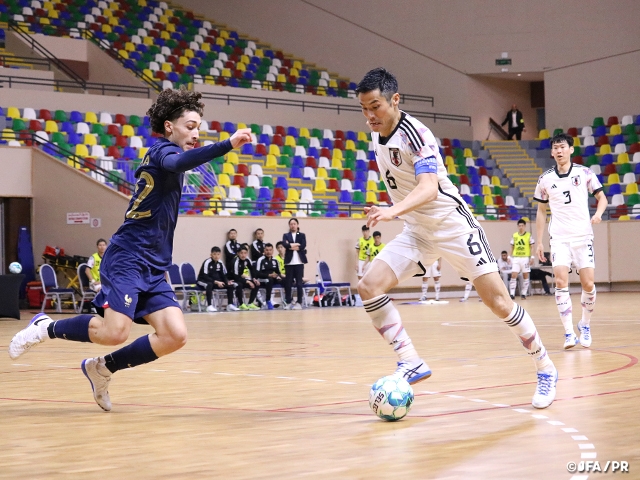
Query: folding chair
(190, 284)
(51, 289)
(85, 290)
(326, 284)
(178, 286)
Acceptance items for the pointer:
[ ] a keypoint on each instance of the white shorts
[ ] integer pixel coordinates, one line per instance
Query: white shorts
(458, 238)
(580, 254)
(520, 265)
(361, 265)
(432, 271)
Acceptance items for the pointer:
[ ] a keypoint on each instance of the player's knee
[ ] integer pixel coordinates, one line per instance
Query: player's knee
(117, 335)
(178, 338)
(500, 305)
(366, 288)
(588, 285)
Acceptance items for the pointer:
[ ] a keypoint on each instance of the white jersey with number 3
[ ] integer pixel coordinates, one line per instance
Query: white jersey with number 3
(568, 198)
(410, 147)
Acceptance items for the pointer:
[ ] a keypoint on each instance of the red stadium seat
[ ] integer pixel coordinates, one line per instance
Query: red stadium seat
(261, 149)
(446, 142)
(311, 162)
(325, 152)
(333, 185)
(239, 181)
(121, 119)
(45, 114)
(612, 121)
(113, 130)
(634, 148)
(338, 134)
(280, 130)
(278, 194)
(348, 174)
(215, 125)
(578, 159)
(339, 144)
(277, 140)
(572, 132)
(373, 166)
(609, 169)
(243, 169)
(603, 140)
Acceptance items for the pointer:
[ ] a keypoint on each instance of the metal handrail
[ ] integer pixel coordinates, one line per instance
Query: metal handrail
(103, 88)
(11, 60)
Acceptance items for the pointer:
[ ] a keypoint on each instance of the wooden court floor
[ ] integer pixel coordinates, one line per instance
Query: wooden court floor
(284, 395)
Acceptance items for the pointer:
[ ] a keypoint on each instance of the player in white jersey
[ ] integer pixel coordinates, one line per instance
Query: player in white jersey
(566, 188)
(431, 272)
(438, 223)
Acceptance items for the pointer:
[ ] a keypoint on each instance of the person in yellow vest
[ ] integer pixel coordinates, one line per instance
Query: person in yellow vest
(93, 266)
(521, 259)
(374, 249)
(280, 256)
(365, 242)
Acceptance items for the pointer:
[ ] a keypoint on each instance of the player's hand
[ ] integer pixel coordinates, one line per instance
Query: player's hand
(241, 137)
(219, 284)
(377, 214)
(597, 218)
(540, 253)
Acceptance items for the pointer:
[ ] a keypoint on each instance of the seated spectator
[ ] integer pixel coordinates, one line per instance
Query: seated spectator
(213, 275)
(268, 272)
(539, 274)
(243, 274)
(93, 266)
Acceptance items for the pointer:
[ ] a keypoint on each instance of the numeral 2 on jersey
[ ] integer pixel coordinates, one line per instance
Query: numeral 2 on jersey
(390, 181)
(142, 194)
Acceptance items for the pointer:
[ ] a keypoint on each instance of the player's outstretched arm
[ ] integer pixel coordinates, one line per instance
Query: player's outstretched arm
(602, 206)
(541, 222)
(426, 191)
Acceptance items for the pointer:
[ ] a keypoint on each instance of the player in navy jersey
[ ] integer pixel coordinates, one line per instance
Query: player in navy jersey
(134, 287)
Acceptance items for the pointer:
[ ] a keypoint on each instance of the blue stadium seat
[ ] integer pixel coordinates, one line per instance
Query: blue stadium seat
(264, 194)
(297, 172)
(600, 131)
(360, 185)
(468, 199)
(313, 152)
(129, 153)
(264, 139)
(472, 171)
(229, 127)
(617, 139)
(281, 182)
(292, 131)
(476, 190)
(247, 149)
(327, 143)
(361, 165)
(351, 135)
(298, 161)
(361, 175)
(455, 143)
(345, 196)
(589, 150)
(74, 138)
(480, 162)
(614, 189)
(606, 159)
(545, 144)
(67, 127)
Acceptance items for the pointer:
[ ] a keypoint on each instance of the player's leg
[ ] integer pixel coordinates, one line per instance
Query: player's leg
(253, 294)
(299, 273)
(588, 301)
(288, 286)
(241, 285)
(514, 278)
(387, 269)
(230, 292)
(561, 262)
(425, 288)
(436, 286)
(208, 289)
(525, 285)
(268, 288)
(467, 291)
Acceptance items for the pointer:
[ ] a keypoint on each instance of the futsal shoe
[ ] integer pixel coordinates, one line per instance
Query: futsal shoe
(296, 306)
(232, 308)
(99, 382)
(423, 298)
(413, 372)
(463, 299)
(269, 305)
(546, 389)
(253, 306)
(211, 308)
(523, 297)
(570, 340)
(244, 307)
(585, 335)
(33, 334)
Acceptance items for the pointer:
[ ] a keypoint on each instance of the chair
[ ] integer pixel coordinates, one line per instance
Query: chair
(85, 292)
(51, 289)
(327, 284)
(189, 285)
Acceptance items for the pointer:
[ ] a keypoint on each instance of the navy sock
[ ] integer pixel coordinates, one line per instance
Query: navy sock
(75, 329)
(134, 354)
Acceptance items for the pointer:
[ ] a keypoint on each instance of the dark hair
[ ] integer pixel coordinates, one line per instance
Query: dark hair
(268, 245)
(243, 248)
(171, 104)
(258, 230)
(378, 79)
(522, 221)
(503, 251)
(377, 234)
(245, 245)
(100, 240)
(294, 219)
(215, 250)
(279, 243)
(364, 228)
(562, 137)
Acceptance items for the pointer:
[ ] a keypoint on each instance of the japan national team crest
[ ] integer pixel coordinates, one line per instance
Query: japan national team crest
(395, 156)
(575, 180)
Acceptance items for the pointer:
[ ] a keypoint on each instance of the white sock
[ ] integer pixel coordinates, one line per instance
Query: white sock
(512, 286)
(467, 290)
(588, 301)
(425, 288)
(563, 302)
(522, 326)
(386, 320)
(436, 284)
(525, 286)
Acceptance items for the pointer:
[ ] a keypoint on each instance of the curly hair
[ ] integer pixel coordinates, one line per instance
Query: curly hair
(171, 104)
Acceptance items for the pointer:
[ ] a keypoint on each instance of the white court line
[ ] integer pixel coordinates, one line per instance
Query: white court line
(222, 373)
(521, 410)
(287, 378)
(455, 396)
(315, 380)
(581, 438)
(555, 423)
(502, 405)
(586, 446)
(540, 417)
(21, 364)
(349, 383)
(189, 371)
(478, 400)
(569, 430)
(588, 455)
(156, 370)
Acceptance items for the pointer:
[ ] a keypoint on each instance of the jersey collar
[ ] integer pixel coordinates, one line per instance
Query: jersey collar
(563, 175)
(383, 140)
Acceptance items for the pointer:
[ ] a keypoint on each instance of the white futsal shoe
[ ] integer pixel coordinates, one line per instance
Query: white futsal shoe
(413, 372)
(32, 335)
(585, 335)
(99, 382)
(546, 389)
(423, 298)
(570, 340)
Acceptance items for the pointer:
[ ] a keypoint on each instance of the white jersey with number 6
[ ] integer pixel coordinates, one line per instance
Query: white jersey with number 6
(568, 198)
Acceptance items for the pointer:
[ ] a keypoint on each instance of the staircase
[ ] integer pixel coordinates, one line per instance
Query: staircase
(516, 164)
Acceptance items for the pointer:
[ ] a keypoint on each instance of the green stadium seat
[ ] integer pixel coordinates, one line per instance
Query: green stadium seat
(60, 116)
(267, 181)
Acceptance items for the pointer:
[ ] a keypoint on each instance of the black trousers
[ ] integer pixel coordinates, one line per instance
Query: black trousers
(294, 272)
(267, 284)
(242, 284)
(210, 287)
(517, 131)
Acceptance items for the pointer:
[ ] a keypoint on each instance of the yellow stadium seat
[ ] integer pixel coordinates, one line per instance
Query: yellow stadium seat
(189, 53)
(183, 61)
(320, 186)
(448, 160)
(50, 126)
(168, 12)
(294, 72)
(486, 190)
(356, 215)
(129, 47)
(48, 5)
(226, 72)
(148, 73)
(241, 67)
(207, 213)
(362, 137)
(304, 132)
(142, 152)
(576, 142)
(293, 195)
(171, 28)
(333, 83)
(544, 133)
(90, 139)
(224, 34)
(372, 186)
(241, 125)
(258, 53)
(219, 192)
(285, 213)
(467, 153)
(106, 28)
(220, 41)
(274, 150)
(272, 161)
(148, 41)
(322, 173)
(8, 134)
(281, 78)
(321, 91)
(107, 13)
(90, 117)
(13, 112)
(46, 21)
(81, 150)
(127, 131)
(289, 140)
(223, 136)
(488, 200)
(336, 163)
(371, 197)
(623, 158)
(495, 181)
(205, 47)
(142, 3)
(166, 67)
(613, 178)
(165, 35)
(452, 170)
(624, 218)
(297, 64)
(350, 145)
(615, 130)
(631, 188)
(604, 149)
(337, 154)
(115, 21)
(232, 157)
(223, 180)
(245, 59)
(228, 169)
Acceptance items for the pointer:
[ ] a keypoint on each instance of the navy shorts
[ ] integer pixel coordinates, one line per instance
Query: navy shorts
(132, 287)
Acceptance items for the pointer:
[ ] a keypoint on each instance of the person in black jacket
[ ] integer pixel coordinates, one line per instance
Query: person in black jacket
(231, 249)
(257, 246)
(539, 274)
(213, 275)
(243, 274)
(515, 121)
(268, 271)
(295, 257)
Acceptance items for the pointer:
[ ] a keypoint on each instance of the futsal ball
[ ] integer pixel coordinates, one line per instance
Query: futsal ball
(15, 267)
(390, 398)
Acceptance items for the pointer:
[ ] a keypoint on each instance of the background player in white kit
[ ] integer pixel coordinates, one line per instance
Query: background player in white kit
(437, 223)
(432, 272)
(521, 259)
(566, 188)
(505, 266)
